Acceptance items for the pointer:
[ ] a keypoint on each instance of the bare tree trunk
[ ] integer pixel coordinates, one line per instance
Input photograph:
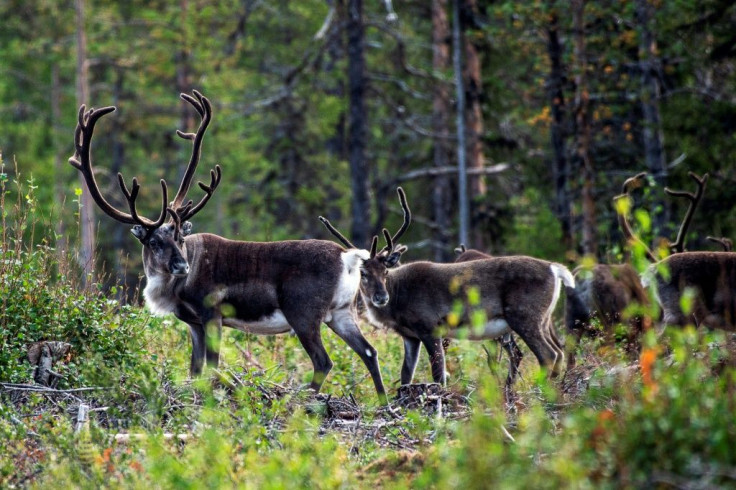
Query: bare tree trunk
(556, 95)
(440, 125)
(86, 213)
(473, 117)
(59, 165)
(583, 131)
(183, 84)
(473, 113)
(357, 130)
(650, 92)
(119, 234)
(462, 187)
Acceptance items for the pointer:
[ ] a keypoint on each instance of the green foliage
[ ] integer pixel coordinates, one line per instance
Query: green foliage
(536, 231)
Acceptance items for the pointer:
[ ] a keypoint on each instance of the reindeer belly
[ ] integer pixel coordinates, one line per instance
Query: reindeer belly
(490, 330)
(271, 324)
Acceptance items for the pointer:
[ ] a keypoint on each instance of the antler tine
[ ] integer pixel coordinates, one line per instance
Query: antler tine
(389, 241)
(623, 221)
(337, 234)
(202, 105)
(132, 195)
(726, 243)
(694, 198)
(188, 210)
(374, 246)
(176, 220)
(632, 182)
(407, 214)
(82, 161)
(404, 225)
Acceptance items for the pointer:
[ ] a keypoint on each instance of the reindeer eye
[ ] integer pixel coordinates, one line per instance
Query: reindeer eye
(153, 243)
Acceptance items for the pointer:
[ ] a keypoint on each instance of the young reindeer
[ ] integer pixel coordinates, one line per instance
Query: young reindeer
(416, 300)
(507, 340)
(208, 281)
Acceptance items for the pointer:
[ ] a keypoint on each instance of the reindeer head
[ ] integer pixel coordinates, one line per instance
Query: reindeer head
(374, 270)
(163, 243)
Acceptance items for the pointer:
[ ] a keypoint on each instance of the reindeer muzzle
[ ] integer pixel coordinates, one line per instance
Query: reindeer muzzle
(179, 268)
(380, 300)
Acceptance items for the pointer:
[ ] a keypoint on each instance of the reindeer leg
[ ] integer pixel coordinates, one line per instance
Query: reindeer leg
(436, 358)
(556, 344)
(411, 356)
(311, 339)
(196, 332)
(515, 355)
(344, 325)
(533, 332)
(213, 335)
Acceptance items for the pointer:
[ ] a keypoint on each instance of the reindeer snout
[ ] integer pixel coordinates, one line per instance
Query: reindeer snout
(180, 268)
(380, 299)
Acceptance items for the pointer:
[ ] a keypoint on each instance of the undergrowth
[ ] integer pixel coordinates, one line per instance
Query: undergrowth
(664, 419)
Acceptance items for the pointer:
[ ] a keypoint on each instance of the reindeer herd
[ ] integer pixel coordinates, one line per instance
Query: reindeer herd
(208, 281)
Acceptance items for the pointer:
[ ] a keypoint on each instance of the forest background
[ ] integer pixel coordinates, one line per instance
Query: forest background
(324, 107)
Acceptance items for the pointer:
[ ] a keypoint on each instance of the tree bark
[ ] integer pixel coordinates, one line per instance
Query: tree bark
(441, 194)
(183, 85)
(86, 256)
(59, 165)
(473, 91)
(462, 188)
(357, 126)
(653, 134)
(556, 95)
(583, 131)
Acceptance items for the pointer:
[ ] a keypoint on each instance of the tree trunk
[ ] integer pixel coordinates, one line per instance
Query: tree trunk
(650, 91)
(556, 95)
(441, 194)
(86, 256)
(583, 131)
(357, 130)
(59, 166)
(183, 85)
(473, 91)
(462, 187)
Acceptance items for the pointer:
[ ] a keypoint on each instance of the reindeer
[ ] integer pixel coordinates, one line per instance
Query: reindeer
(416, 300)
(208, 281)
(604, 291)
(507, 340)
(710, 277)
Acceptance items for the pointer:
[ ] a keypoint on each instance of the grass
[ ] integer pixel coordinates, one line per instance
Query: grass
(664, 419)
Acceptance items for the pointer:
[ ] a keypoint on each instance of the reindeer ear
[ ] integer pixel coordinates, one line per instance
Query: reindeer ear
(139, 232)
(186, 228)
(392, 259)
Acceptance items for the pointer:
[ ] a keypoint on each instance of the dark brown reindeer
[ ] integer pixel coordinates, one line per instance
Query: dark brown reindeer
(208, 281)
(604, 292)
(507, 340)
(709, 278)
(416, 300)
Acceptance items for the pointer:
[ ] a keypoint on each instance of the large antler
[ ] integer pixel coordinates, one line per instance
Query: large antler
(694, 198)
(82, 161)
(623, 221)
(185, 210)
